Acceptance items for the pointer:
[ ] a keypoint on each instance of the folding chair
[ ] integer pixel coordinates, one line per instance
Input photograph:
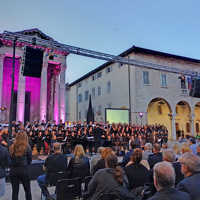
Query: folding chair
(68, 189)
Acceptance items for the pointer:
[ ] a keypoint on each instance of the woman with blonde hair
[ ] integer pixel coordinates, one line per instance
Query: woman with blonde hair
(79, 165)
(185, 147)
(101, 163)
(21, 157)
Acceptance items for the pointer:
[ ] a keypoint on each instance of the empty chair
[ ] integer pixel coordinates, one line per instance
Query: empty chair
(68, 189)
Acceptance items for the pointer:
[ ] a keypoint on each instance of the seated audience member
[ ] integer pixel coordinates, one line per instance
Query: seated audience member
(137, 174)
(190, 167)
(101, 163)
(177, 150)
(185, 147)
(169, 156)
(147, 151)
(4, 163)
(127, 156)
(57, 162)
(96, 158)
(193, 145)
(164, 181)
(198, 149)
(156, 156)
(109, 180)
(79, 165)
(164, 146)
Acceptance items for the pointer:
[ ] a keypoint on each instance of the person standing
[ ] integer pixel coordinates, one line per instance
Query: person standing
(21, 157)
(4, 162)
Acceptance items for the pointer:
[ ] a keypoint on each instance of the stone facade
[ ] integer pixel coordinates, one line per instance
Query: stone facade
(36, 88)
(160, 101)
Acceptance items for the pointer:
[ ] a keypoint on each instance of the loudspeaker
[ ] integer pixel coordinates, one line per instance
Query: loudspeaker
(195, 91)
(33, 59)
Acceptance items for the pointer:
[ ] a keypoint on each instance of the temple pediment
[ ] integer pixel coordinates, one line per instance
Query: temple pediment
(35, 32)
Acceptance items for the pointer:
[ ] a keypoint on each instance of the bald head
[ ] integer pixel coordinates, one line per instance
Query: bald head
(164, 175)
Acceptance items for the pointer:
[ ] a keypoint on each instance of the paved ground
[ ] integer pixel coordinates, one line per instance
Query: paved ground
(36, 194)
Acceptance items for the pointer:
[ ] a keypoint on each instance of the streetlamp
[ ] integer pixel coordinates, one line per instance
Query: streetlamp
(12, 89)
(141, 115)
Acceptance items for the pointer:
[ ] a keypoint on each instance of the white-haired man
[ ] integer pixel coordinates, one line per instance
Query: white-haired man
(164, 181)
(190, 167)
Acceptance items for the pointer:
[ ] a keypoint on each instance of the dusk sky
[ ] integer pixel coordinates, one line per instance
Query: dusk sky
(109, 26)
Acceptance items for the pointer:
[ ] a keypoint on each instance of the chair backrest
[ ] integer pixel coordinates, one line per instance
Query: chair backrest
(109, 197)
(86, 182)
(68, 189)
(54, 177)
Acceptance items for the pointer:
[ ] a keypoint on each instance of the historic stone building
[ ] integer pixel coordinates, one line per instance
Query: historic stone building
(35, 98)
(161, 96)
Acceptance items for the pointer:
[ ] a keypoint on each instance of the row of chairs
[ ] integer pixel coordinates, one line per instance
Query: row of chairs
(75, 188)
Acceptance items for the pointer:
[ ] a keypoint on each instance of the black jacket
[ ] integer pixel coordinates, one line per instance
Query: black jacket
(137, 174)
(22, 161)
(191, 185)
(4, 160)
(79, 168)
(170, 194)
(154, 158)
(179, 175)
(55, 163)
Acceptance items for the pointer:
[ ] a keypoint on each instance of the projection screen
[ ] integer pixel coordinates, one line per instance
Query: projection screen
(116, 115)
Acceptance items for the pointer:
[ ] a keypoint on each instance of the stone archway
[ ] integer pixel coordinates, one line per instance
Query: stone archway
(160, 112)
(183, 119)
(197, 119)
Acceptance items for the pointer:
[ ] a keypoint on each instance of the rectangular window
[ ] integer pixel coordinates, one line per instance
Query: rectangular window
(99, 91)
(99, 110)
(93, 92)
(79, 115)
(80, 98)
(163, 80)
(99, 74)
(188, 127)
(146, 77)
(93, 77)
(108, 87)
(197, 127)
(86, 95)
(79, 85)
(108, 69)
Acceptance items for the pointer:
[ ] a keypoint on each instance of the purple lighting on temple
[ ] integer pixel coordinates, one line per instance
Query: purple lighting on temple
(7, 80)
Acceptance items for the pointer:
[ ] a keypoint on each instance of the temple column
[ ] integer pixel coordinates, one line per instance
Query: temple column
(43, 91)
(21, 96)
(173, 134)
(192, 124)
(56, 99)
(1, 82)
(62, 93)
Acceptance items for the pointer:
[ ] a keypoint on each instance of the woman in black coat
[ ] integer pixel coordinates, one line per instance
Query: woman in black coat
(137, 174)
(21, 157)
(79, 165)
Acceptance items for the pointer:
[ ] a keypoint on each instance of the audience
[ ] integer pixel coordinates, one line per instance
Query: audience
(156, 156)
(137, 174)
(147, 151)
(79, 165)
(54, 163)
(198, 149)
(164, 181)
(95, 159)
(101, 163)
(4, 163)
(190, 167)
(21, 157)
(170, 156)
(109, 180)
